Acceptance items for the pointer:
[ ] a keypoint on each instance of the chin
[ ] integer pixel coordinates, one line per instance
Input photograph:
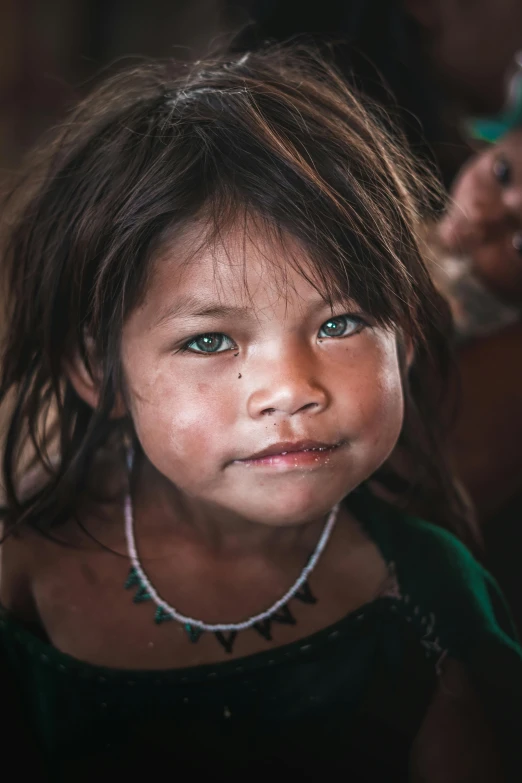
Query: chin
(297, 506)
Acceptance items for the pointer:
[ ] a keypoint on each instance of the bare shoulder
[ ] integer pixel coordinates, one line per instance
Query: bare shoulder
(30, 557)
(16, 571)
(455, 743)
(16, 558)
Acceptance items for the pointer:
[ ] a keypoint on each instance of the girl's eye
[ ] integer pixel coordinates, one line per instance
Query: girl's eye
(213, 342)
(341, 326)
(502, 171)
(517, 242)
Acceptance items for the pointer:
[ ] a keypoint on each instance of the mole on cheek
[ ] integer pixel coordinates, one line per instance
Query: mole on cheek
(239, 376)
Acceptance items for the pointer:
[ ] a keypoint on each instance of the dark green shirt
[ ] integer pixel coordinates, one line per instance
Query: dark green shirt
(347, 700)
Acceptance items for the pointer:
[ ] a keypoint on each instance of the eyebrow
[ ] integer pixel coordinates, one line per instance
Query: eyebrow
(194, 307)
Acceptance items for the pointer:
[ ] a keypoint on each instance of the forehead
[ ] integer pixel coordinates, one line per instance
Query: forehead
(248, 265)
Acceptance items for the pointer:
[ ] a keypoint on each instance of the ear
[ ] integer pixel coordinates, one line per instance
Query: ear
(409, 351)
(405, 351)
(87, 385)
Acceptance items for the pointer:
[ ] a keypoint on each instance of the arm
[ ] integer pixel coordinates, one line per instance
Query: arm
(485, 440)
(455, 743)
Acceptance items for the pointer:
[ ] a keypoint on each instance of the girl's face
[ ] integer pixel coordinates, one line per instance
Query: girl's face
(484, 219)
(248, 393)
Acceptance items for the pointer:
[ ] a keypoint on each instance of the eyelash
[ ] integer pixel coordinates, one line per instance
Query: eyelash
(185, 348)
(356, 319)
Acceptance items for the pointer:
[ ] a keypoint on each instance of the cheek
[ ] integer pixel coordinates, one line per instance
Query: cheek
(383, 409)
(374, 400)
(178, 419)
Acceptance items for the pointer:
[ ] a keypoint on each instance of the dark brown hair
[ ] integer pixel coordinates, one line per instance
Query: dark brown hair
(276, 133)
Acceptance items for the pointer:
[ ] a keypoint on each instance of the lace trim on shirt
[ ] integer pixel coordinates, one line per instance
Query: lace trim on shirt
(425, 623)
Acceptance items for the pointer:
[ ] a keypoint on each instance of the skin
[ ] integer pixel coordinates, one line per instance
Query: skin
(488, 430)
(198, 416)
(202, 513)
(205, 517)
(484, 217)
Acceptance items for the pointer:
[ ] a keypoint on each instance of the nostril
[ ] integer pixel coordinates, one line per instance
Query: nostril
(307, 407)
(269, 411)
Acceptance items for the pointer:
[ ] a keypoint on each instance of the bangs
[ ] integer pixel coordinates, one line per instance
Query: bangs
(245, 147)
(230, 232)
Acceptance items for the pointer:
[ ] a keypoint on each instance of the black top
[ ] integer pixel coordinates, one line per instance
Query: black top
(348, 699)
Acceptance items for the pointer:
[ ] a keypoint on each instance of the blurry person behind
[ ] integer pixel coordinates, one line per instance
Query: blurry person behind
(433, 64)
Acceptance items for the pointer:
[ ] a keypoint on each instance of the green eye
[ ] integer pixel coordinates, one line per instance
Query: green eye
(341, 326)
(214, 342)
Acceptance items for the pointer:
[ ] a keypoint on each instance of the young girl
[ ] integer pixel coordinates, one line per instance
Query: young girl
(219, 327)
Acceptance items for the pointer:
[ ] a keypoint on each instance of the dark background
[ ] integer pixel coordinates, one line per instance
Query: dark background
(52, 51)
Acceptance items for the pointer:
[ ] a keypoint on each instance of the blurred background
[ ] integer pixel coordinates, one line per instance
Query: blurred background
(51, 50)
(443, 61)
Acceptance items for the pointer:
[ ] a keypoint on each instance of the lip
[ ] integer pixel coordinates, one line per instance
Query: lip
(293, 454)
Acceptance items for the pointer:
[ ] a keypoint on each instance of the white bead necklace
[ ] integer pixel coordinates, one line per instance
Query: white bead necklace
(165, 611)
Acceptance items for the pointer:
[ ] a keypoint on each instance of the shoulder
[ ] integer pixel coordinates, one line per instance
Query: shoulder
(420, 549)
(456, 740)
(18, 560)
(427, 548)
(17, 567)
(36, 561)
(439, 578)
(446, 579)
(23, 550)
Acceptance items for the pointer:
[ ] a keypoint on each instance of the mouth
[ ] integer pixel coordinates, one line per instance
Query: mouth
(292, 454)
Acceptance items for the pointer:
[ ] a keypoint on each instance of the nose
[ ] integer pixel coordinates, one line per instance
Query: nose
(288, 385)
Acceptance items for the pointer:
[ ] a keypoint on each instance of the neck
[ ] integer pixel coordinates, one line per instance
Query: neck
(164, 507)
